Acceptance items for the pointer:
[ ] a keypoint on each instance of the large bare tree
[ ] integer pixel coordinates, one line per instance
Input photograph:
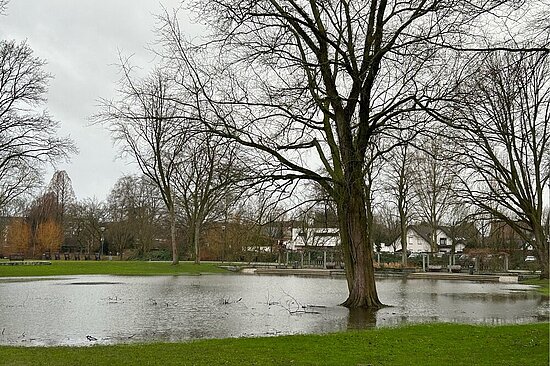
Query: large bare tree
(150, 129)
(503, 119)
(309, 84)
(27, 133)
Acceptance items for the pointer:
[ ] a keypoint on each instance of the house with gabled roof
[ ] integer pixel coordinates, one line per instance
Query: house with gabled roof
(419, 239)
(313, 237)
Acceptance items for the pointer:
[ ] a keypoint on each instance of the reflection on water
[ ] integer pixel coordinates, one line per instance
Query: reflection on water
(361, 319)
(418, 301)
(113, 309)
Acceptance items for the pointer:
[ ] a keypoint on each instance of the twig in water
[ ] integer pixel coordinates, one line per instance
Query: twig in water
(228, 301)
(293, 306)
(269, 302)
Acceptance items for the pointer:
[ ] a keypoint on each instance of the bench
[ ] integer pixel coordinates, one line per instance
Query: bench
(434, 268)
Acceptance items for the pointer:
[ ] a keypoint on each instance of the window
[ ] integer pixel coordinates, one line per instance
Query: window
(442, 241)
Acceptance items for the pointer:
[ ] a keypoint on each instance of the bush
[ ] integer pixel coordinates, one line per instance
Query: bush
(158, 255)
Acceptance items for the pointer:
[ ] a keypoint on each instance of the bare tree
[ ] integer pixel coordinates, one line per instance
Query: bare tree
(309, 84)
(399, 181)
(434, 185)
(27, 134)
(150, 129)
(461, 225)
(61, 186)
(120, 207)
(38, 212)
(43, 216)
(503, 119)
(262, 211)
(3, 6)
(207, 175)
(88, 219)
(17, 182)
(386, 226)
(134, 211)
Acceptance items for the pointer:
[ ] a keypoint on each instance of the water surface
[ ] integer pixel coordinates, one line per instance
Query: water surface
(84, 310)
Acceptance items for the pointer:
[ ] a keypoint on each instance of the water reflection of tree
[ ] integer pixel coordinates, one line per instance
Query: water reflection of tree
(361, 318)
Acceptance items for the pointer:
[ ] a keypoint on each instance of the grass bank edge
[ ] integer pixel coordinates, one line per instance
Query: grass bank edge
(543, 285)
(426, 344)
(123, 268)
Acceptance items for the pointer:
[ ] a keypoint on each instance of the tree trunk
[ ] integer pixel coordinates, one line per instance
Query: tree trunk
(403, 227)
(196, 235)
(542, 250)
(433, 240)
(175, 259)
(357, 249)
(543, 258)
(404, 244)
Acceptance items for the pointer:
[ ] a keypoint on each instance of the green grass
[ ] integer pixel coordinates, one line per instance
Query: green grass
(432, 344)
(543, 285)
(127, 268)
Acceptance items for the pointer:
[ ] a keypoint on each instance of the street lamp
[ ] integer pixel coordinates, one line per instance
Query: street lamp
(102, 229)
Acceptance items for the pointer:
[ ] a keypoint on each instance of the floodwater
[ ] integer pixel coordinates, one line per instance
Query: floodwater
(85, 310)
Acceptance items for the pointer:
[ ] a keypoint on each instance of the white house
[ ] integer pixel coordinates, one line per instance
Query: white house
(313, 237)
(388, 248)
(419, 238)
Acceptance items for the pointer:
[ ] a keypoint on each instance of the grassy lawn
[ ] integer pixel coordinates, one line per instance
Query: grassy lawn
(65, 268)
(543, 285)
(433, 344)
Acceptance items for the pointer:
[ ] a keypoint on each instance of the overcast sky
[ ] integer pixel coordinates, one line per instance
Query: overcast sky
(80, 41)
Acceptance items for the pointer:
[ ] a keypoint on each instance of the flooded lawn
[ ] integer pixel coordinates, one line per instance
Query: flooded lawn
(84, 310)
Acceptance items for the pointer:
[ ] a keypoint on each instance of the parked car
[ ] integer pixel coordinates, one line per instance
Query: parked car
(530, 258)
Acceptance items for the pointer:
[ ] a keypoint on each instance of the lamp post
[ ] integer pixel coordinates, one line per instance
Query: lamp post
(102, 229)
